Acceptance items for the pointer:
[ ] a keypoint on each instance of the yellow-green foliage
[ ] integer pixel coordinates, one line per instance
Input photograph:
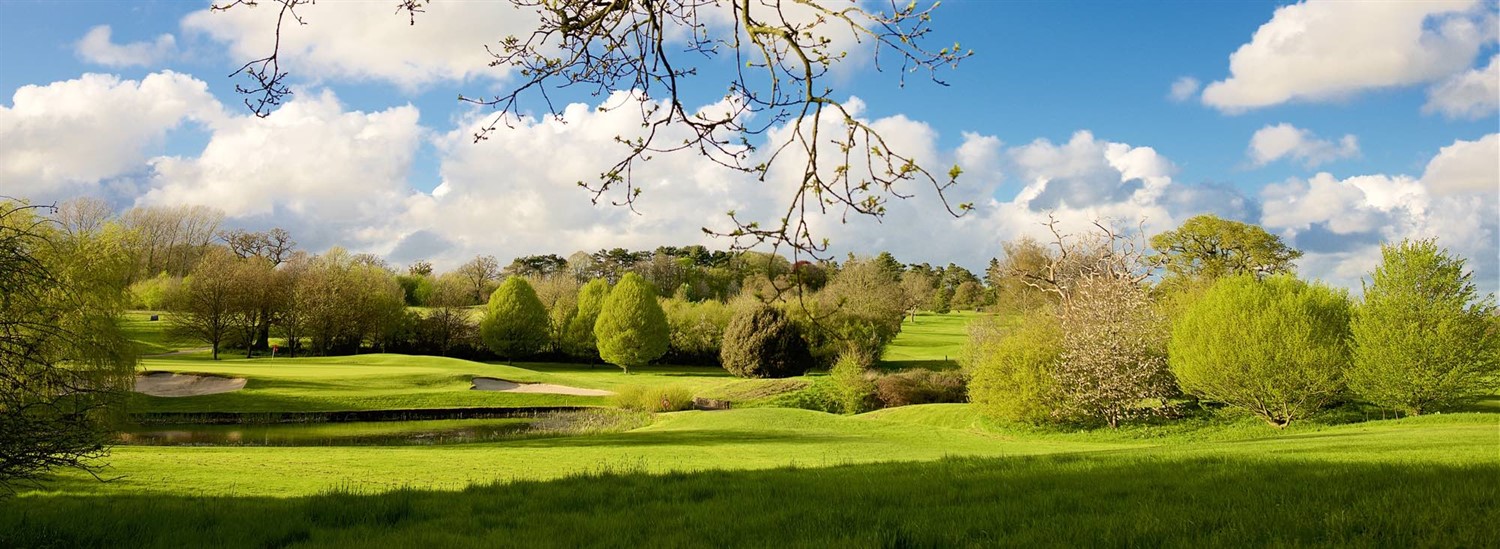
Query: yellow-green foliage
(632, 329)
(852, 384)
(1421, 338)
(1011, 372)
(654, 398)
(578, 339)
(1275, 347)
(515, 323)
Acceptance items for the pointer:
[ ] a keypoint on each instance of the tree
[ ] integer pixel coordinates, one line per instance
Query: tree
(861, 307)
(1275, 347)
(1421, 339)
(447, 322)
(760, 341)
(648, 53)
(852, 385)
(631, 330)
(515, 322)
(1012, 370)
(210, 297)
(170, 238)
(917, 287)
(968, 296)
(480, 273)
(1207, 247)
(539, 266)
(580, 341)
(65, 363)
(1025, 259)
(1113, 364)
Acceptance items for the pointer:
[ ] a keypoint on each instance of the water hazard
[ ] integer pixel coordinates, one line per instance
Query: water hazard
(384, 433)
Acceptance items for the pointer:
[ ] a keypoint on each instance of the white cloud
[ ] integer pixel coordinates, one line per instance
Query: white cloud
(96, 47)
(333, 176)
(1473, 94)
(370, 40)
(67, 136)
(1322, 50)
(1341, 222)
(1184, 88)
(1273, 143)
(1466, 167)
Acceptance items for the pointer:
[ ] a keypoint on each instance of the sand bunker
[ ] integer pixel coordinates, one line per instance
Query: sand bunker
(168, 384)
(492, 384)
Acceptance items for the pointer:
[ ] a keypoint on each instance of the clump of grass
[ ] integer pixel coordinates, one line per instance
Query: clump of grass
(654, 399)
(588, 422)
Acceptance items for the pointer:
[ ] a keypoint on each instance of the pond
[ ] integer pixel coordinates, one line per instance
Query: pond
(383, 433)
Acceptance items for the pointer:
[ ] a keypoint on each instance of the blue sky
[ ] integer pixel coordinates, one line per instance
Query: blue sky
(1375, 120)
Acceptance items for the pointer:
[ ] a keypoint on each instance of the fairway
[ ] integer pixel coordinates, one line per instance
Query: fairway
(930, 341)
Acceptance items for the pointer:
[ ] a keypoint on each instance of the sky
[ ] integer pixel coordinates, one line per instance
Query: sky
(1337, 125)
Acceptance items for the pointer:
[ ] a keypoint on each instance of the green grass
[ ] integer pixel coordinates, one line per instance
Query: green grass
(154, 337)
(930, 341)
(387, 381)
(789, 477)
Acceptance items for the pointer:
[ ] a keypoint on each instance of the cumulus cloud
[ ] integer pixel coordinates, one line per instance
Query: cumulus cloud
(1273, 143)
(1340, 222)
(1184, 88)
(97, 47)
(1473, 94)
(66, 137)
(368, 41)
(337, 175)
(1322, 50)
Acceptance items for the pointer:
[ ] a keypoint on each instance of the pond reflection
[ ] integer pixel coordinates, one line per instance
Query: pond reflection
(391, 433)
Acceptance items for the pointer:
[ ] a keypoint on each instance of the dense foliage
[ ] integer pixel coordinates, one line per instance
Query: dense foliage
(1421, 338)
(631, 330)
(760, 341)
(1276, 347)
(515, 323)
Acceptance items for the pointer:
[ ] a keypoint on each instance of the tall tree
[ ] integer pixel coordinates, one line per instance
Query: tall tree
(1421, 340)
(64, 363)
(210, 297)
(580, 340)
(480, 272)
(515, 322)
(1207, 247)
(632, 329)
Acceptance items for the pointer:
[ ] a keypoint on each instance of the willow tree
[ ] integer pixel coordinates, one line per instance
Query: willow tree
(656, 51)
(64, 364)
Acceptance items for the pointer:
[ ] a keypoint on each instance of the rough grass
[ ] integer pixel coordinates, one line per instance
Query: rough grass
(931, 341)
(787, 477)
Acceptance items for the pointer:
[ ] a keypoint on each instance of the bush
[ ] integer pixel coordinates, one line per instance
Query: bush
(1011, 373)
(921, 387)
(697, 330)
(632, 329)
(1113, 364)
(515, 322)
(654, 399)
(1421, 339)
(152, 293)
(853, 387)
(761, 342)
(1275, 347)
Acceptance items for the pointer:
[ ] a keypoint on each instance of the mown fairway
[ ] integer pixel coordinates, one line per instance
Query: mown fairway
(929, 475)
(929, 341)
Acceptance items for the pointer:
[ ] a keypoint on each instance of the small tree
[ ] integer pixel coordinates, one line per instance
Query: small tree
(632, 330)
(1113, 359)
(968, 296)
(1421, 339)
(578, 339)
(852, 385)
(760, 341)
(515, 322)
(1011, 371)
(1274, 347)
(205, 306)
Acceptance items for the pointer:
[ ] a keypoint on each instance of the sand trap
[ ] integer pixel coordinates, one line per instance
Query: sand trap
(492, 384)
(168, 384)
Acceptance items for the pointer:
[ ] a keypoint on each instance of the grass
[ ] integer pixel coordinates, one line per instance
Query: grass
(930, 341)
(154, 337)
(922, 477)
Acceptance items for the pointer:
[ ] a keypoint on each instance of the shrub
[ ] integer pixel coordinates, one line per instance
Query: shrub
(632, 329)
(515, 323)
(761, 342)
(920, 387)
(1113, 364)
(1421, 339)
(853, 388)
(1274, 347)
(152, 293)
(654, 399)
(1011, 372)
(697, 330)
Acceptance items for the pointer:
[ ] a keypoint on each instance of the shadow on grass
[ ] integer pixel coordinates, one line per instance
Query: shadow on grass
(897, 365)
(1049, 501)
